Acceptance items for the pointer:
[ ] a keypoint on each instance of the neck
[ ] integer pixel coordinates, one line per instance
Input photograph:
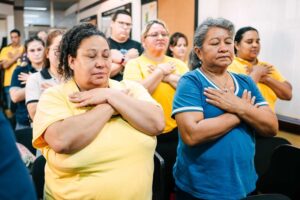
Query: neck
(15, 45)
(53, 71)
(120, 40)
(155, 57)
(219, 78)
(214, 71)
(252, 61)
(180, 58)
(37, 66)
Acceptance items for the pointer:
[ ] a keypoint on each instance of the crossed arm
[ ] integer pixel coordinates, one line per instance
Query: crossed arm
(76, 132)
(194, 129)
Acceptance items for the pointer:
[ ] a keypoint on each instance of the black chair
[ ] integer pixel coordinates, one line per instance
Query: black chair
(267, 197)
(38, 176)
(24, 136)
(158, 185)
(263, 151)
(283, 175)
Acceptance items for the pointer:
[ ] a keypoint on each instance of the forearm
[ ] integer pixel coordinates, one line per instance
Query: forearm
(144, 116)
(17, 94)
(10, 62)
(115, 69)
(283, 90)
(153, 80)
(31, 107)
(173, 80)
(76, 132)
(206, 130)
(262, 119)
(255, 77)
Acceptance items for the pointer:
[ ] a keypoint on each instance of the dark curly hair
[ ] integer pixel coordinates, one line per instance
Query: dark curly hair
(173, 42)
(70, 43)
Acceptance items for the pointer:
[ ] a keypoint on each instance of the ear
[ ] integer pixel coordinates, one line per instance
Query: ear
(71, 61)
(236, 45)
(171, 48)
(198, 52)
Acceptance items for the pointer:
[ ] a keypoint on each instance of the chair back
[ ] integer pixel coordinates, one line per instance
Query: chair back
(283, 175)
(38, 176)
(158, 185)
(24, 136)
(263, 151)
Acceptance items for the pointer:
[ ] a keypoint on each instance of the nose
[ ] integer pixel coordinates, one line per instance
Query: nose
(223, 47)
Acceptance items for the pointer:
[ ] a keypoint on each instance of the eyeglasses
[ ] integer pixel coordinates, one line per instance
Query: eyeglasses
(124, 24)
(56, 52)
(156, 35)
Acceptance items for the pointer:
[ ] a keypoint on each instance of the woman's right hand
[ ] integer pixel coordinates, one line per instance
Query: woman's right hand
(258, 72)
(167, 68)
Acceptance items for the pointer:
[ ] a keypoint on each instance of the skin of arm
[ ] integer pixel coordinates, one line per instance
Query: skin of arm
(283, 90)
(157, 74)
(194, 129)
(9, 62)
(17, 94)
(66, 137)
(172, 79)
(144, 116)
(31, 107)
(260, 118)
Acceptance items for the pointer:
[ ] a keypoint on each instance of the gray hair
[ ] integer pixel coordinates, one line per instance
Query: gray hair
(200, 35)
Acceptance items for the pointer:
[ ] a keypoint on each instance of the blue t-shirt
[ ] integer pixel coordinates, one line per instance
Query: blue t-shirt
(222, 168)
(15, 182)
(21, 110)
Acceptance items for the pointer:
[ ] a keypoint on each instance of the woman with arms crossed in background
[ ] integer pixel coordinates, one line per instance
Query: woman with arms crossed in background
(217, 114)
(97, 134)
(159, 74)
(270, 82)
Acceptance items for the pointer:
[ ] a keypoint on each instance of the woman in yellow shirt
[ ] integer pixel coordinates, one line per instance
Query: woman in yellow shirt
(270, 82)
(97, 134)
(159, 74)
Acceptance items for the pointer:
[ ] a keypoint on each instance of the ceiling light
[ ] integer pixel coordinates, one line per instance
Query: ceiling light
(36, 8)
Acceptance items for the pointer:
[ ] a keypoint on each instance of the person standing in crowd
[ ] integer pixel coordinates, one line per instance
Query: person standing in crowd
(34, 48)
(95, 133)
(122, 47)
(15, 181)
(269, 80)
(48, 76)
(178, 46)
(159, 74)
(218, 113)
(9, 56)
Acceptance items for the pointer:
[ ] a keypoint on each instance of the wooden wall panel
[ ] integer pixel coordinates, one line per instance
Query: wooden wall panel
(179, 16)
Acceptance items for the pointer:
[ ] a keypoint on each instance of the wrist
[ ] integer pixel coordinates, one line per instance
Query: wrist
(122, 62)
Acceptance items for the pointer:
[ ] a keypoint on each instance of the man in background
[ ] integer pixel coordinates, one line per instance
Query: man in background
(8, 57)
(122, 47)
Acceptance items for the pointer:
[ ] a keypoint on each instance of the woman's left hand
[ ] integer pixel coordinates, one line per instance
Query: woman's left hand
(226, 100)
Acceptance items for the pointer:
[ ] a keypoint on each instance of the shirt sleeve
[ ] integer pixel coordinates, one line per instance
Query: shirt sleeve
(52, 107)
(32, 89)
(133, 71)
(188, 96)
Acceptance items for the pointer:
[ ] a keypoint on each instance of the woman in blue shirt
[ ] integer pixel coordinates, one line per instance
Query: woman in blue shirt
(217, 113)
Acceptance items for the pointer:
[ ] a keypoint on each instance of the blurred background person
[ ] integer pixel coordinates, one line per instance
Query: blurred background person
(218, 114)
(35, 50)
(122, 47)
(48, 76)
(9, 56)
(269, 80)
(93, 131)
(43, 35)
(178, 46)
(159, 74)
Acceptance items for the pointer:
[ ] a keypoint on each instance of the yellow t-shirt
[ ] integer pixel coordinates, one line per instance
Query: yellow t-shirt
(240, 66)
(5, 56)
(117, 164)
(137, 70)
